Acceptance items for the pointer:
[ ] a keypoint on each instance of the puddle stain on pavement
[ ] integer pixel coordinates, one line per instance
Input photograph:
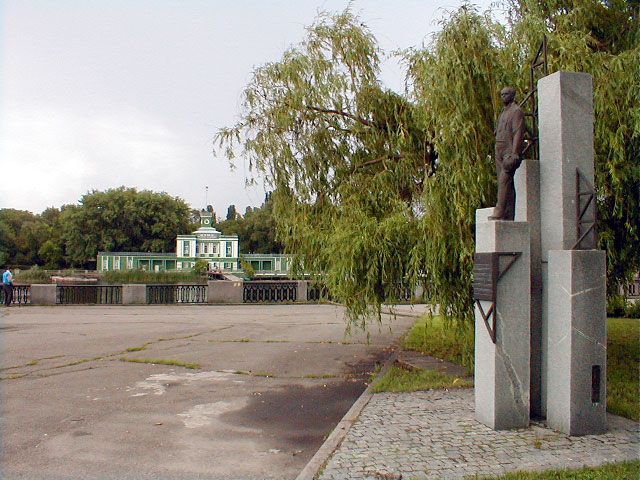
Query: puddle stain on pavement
(158, 384)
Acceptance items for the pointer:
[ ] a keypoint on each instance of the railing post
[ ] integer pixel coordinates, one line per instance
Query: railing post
(44, 294)
(303, 288)
(134, 294)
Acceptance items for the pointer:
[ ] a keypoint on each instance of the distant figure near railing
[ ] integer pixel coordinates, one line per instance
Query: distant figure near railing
(21, 295)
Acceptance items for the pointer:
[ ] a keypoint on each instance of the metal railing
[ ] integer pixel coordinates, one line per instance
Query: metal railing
(259, 291)
(21, 295)
(169, 294)
(89, 294)
(315, 293)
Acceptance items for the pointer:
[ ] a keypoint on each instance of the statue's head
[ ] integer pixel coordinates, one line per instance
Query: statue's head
(508, 94)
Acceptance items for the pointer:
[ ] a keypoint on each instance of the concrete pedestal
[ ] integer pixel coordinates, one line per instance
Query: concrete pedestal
(224, 291)
(502, 376)
(44, 294)
(576, 344)
(134, 294)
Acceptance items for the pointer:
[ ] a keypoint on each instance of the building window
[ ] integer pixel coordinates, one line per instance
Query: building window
(229, 249)
(116, 263)
(105, 263)
(130, 263)
(185, 249)
(214, 248)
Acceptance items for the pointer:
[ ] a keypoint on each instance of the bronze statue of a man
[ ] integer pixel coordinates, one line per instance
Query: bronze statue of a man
(509, 145)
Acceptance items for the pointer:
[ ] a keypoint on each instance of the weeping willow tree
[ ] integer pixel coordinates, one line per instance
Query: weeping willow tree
(347, 161)
(375, 189)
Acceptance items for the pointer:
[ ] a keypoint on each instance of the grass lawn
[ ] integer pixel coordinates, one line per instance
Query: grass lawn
(612, 471)
(623, 367)
(442, 340)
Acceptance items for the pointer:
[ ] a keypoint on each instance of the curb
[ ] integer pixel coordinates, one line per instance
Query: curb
(323, 454)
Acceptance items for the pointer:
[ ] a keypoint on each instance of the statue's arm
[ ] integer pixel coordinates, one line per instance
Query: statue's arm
(518, 129)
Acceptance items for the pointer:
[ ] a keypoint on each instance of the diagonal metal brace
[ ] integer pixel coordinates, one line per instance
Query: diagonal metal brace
(489, 317)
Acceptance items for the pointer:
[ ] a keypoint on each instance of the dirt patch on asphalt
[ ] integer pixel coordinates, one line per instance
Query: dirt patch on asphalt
(299, 418)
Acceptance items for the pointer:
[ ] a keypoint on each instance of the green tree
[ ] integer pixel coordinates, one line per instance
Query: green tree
(122, 219)
(21, 234)
(232, 214)
(256, 230)
(346, 158)
(373, 188)
(201, 267)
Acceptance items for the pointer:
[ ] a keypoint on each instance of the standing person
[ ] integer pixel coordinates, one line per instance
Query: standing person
(509, 145)
(7, 286)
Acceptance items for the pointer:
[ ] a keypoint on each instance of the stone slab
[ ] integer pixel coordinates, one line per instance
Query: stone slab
(502, 375)
(577, 339)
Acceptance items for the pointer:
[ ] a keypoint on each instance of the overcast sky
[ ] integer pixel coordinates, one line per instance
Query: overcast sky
(95, 94)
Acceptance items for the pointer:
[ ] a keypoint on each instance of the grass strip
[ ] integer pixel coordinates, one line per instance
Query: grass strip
(398, 379)
(161, 361)
(611, 471)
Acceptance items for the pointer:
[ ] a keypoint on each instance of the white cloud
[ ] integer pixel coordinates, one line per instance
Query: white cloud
(54, 156)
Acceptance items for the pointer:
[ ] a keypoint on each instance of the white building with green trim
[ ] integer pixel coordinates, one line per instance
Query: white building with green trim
(222, 252)
(207, 243)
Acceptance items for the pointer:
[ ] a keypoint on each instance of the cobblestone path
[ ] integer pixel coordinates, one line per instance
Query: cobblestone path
(433, 434)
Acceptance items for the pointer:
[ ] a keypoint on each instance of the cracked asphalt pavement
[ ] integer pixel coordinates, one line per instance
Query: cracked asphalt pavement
(85, 393)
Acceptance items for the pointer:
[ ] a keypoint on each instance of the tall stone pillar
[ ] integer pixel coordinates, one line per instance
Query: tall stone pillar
(527, 182)
(502, 348)
(573, 272)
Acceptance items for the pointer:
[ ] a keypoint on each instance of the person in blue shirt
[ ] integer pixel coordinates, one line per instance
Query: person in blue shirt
(7, 286)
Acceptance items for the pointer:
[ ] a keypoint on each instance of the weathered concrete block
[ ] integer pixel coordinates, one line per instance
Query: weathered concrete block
(134, 294)
(576, 344)
(502, 376)
(44, 294)
(565, 115)
(223, 291)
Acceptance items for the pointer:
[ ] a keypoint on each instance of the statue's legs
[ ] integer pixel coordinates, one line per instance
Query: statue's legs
(506, 206)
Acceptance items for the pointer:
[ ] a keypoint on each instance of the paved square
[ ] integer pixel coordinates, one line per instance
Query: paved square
(434, 434)
(273, 382)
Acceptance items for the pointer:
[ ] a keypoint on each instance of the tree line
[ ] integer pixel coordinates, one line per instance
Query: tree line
(121, 219)
(373, 187)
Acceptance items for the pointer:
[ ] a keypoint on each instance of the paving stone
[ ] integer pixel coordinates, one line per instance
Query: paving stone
(434, 434)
